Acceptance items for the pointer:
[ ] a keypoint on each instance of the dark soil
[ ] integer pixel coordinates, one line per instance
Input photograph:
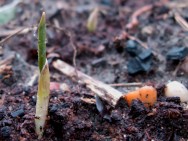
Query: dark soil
(103, 55)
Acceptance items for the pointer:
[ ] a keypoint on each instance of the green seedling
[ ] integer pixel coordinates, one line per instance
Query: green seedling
(44, 80)
(93, 20)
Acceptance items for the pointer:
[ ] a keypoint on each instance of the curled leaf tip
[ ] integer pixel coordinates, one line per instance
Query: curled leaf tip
(43, 14)
(42, 42)
(93, 20)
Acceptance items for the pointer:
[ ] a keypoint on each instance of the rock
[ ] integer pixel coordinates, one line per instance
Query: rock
(146, 54)
(142, 60)
(132, 48)
(17, 113)
(176, 89)
(34, 99)
(134, 66)
(145, 64)
(177, 53)
(147, 30)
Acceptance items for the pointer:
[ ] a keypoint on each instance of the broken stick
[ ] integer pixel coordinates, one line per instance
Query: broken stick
(101, 89)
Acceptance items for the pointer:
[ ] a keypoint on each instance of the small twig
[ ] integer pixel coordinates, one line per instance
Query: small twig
(147, 134)
(134, 18)
(89, 100)
(138, 40)
(177, 4)
(10, 34)
(7, 61)
(2, 100)
(135, 84)
(181, 21)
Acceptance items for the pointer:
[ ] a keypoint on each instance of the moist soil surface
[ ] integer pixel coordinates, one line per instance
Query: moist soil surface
(105, 55)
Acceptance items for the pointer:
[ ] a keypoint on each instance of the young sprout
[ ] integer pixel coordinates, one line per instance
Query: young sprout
(44, 80)
(93, 20)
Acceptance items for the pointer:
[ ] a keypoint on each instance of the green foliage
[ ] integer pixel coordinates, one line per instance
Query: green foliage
(93, 20)
(44, 80)
(42, 42)
(7, 12)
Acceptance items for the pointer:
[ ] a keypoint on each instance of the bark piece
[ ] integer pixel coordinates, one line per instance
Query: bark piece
(101, 89)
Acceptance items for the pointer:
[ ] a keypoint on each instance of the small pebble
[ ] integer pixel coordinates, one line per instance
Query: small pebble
(132, 48)
(116, 116)
(64, 87)
(177, 53)
(146, 54)
(145, 64)
(134, 66)
(26, 90)
(176, 89)
(34, 99)
(17, 113)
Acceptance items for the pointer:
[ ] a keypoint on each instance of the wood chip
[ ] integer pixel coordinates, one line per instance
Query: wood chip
(101, 89)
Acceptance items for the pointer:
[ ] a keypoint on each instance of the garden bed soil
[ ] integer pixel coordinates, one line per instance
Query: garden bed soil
(102, 55)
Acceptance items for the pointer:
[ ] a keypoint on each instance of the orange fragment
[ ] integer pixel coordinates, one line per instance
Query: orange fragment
(131, 96)
(146, 94)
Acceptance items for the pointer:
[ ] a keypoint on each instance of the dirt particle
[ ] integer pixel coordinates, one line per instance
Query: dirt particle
(40, 128)
(137, 109)
(17, 113)
(5, 132)
(147, 95)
